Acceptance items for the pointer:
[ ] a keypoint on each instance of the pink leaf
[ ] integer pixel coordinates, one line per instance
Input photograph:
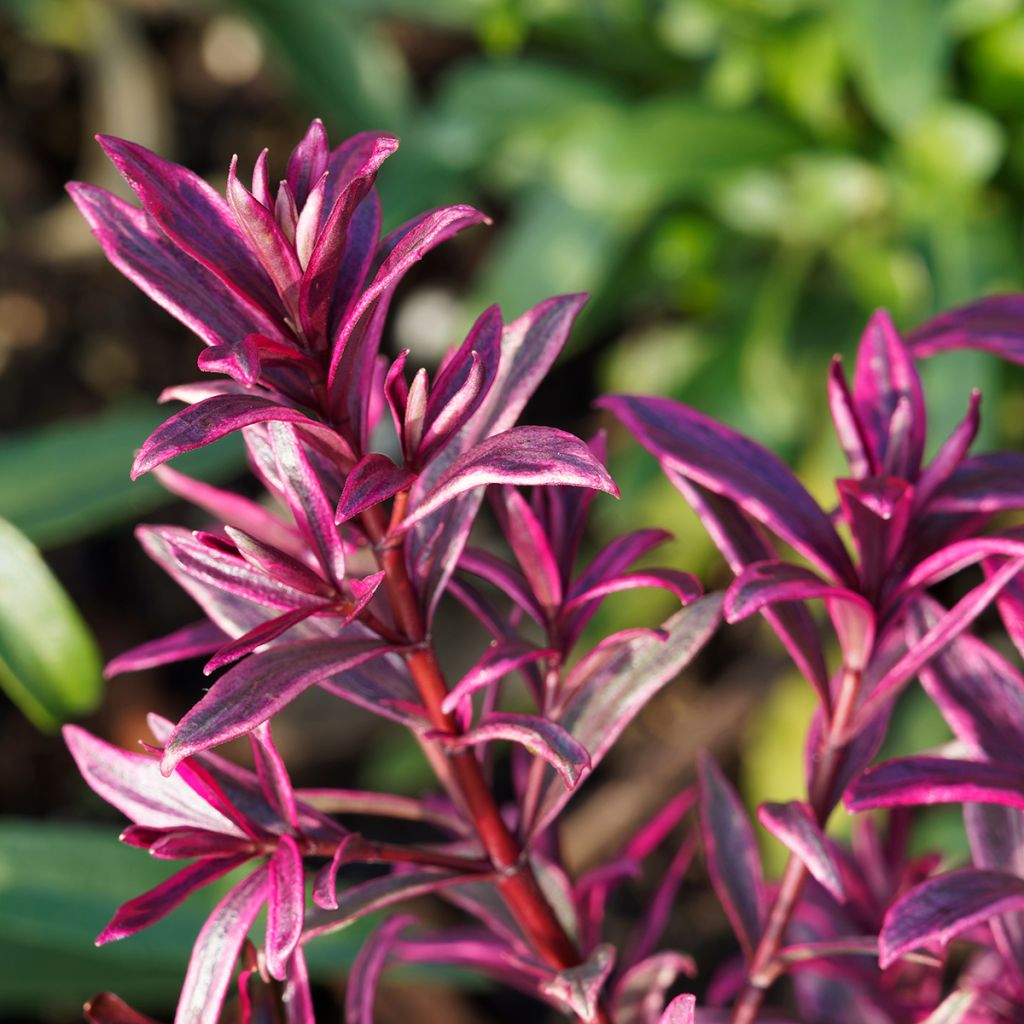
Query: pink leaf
(941, 908)
(213, 957)
(732, 857)
(523, 455)
(285, 906)
(992, 324)
(733, 466)
(258, 688)
(361, 991)
(191, 641)
(795, 826)
(578, 989)
(496, 663)
(373, 479)
(540, 736)
(213, 418)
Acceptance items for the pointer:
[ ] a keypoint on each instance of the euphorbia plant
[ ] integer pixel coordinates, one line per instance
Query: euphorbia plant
(374, 476)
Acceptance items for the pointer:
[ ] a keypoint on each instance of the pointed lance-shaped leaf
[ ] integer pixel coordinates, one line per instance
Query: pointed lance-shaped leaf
(621, 685)
(742, 542)
(496, 663)
(731, 465)
(796, 827)
(213, 418)
(529, 347)
(531, 547)
(889, 400)
(132, 783)
(993, 324)
(520, 456)
(258, 688)
(367, 897)
(732, 858)
(996, 837)
(373, 479)
(848, 426)
(361, 990)
(941, 908)
(978, 692)
(986, 483)
(950, 456)
(194, 217)
(540, 736)
(285, 906)
(107, 1008)
(192, 641)
(137, 247)
(152, 906)
(212, 964)
(913, 781)
(936, 639)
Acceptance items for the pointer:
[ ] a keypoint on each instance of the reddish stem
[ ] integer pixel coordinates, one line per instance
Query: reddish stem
(516, 880)
(763, 970)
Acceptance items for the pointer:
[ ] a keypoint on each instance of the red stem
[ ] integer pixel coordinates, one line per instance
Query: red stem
(763, 970)
(516, 880)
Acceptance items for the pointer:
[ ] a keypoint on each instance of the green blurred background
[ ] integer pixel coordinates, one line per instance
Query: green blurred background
(738, 183)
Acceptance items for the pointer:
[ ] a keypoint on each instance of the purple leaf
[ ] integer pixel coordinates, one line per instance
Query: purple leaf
(305, 495)
(683, 585)
(233, 510)
(941, 908)
(367, 897)
(373, 479)
(889, 401)
(762, 584)
(154, 905)
(741, 542)
(133, 784)
(529, 544)
(613, 694)
(944, 632)
(578, 989)
(266, 239)
(258, 637)
(529, 346)
(367, 968)
(273, 776)
(960, 555)
(522, 455)
(213, 418)
(732, 858)
(992, 324)
(285, 906)
(296, 998)
(795, 826)
(733, 466)
(106, 1008)
(462, 382)
(387, 805)
(950, 456)
(679, 1011)
(308, 161)
(985, 483)
(213, 957)
(194, 217)
(910, 781)
(979, 693)
(996, 837)
(849, 429)
(496, 663)
(283, 567)
(258, 688)
(540, 736)
(327, 256)
(192, 641)
(640, 993)
(142, 252)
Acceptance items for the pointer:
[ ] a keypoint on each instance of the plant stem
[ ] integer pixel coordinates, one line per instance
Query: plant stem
(516, 880)
(823, 776)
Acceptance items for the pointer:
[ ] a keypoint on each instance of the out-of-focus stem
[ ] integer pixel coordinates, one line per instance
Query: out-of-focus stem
(516, 880)
(823, 777)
